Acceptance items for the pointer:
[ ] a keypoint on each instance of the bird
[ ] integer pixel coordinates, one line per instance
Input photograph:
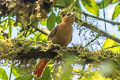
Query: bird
(62, 35)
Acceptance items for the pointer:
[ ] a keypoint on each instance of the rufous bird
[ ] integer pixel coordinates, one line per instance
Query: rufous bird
(62, 35)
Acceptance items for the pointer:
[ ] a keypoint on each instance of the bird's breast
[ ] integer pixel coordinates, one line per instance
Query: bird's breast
(63, 35)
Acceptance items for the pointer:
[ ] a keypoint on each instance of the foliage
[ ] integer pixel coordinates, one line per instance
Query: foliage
(116, 11)
(3, 74)
(96, 75)
(25, 19)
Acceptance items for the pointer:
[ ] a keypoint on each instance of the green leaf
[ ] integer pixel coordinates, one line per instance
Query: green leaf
(114, 1)
(51, 21)
(6, 62)
(78, 5)
(109, 43)
(36, 37)
(116, 11)
(58, 19)
(91, 6)
(47, 73)
(43, 21)
(3, 74)
(68, 2)
(25, 77)
(16, 71)
(1, 37)
(10, 27)
(60, 3)
(106, 3)
(63, 3)
(3, 21)
(5, 25)
(119, 28)
(40, 37)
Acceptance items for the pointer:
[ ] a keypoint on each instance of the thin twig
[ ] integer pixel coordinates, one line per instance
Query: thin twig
(104, 16)
(111, 22)
(95, 29)
(92, 41)
(112, 46)
(70, 8)
(10, 71)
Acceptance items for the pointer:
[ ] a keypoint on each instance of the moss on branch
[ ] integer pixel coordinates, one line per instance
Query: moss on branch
(24, 50)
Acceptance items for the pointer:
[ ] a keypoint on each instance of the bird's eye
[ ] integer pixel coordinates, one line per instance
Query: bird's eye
(68, 14)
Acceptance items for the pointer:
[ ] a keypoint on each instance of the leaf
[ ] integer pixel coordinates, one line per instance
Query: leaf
(78, 5)
(63, 3)
(116, 11)
(47, 74)
(43, 21)
(3, 74)
(96, 75)
(119, 28)
(16, 71)
(5, 25)
(58, 19)
(51, 21)
(40, 37)
(114, 1)
(77, 70)
(91, 6)
(68, 2)
(60, 3)
(109, 43)
(106, 3)
(3, 21)
(25, 77)
(1, 37)
(10, 27)
(6, 62)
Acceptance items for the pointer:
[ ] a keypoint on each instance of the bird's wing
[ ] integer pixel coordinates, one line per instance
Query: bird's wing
(53, 32)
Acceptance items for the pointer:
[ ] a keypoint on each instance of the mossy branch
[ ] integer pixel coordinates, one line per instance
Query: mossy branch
(24, 50)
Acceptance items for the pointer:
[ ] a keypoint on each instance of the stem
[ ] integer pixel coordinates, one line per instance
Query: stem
(104, 16)
(10, 74)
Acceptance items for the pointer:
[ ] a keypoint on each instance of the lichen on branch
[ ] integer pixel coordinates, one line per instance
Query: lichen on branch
(25, 49)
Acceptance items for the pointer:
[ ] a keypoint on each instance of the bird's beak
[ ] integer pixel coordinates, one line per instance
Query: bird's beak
(73, 14)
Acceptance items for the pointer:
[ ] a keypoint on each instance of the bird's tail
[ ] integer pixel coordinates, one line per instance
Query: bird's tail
(40, 68)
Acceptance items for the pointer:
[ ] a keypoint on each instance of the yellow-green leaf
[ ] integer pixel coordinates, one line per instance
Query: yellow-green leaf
(3, 74)
(109, 43)
(94, 76)
(16, 71)
(43, 21)
(106, 3)
(116, 11)
(25, 77)
(10, 28)
(91, 6)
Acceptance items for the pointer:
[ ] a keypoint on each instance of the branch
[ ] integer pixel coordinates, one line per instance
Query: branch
(112, 46)
(23, 50)
(95, 29)
(43, 31)
(111, 22)
(92, 41)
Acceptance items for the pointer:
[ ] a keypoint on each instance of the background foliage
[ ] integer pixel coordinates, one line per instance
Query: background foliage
(32, 20)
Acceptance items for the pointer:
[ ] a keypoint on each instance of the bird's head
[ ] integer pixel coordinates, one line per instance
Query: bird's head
(69, 18)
